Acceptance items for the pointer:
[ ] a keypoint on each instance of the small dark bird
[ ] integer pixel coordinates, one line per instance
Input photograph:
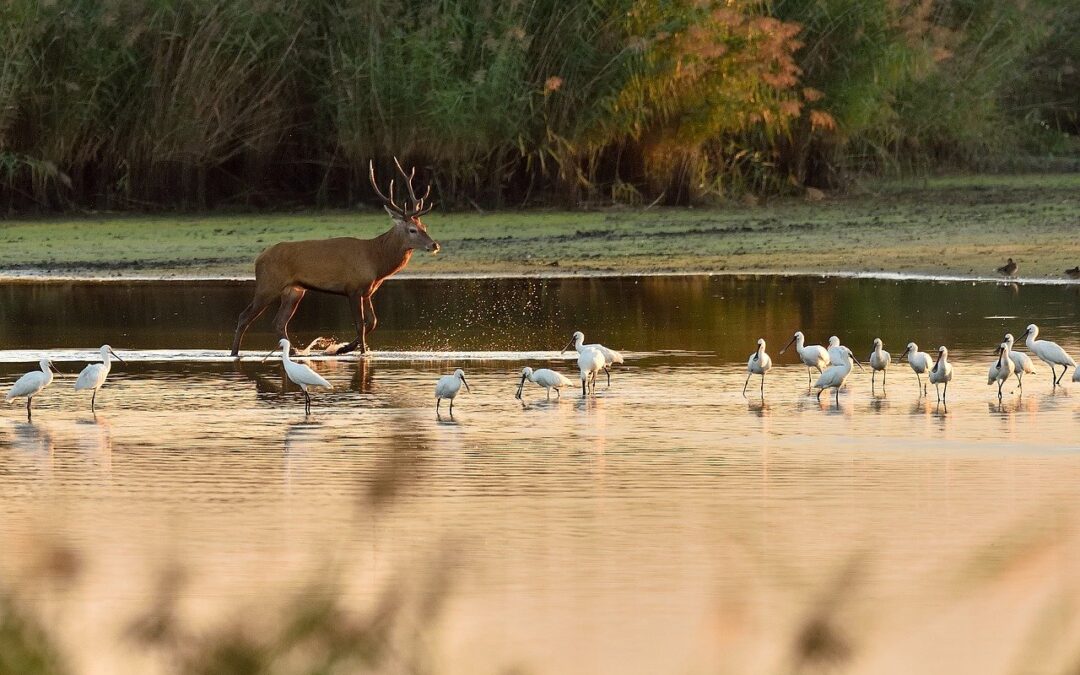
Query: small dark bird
(1074, 273)
(1008, 269)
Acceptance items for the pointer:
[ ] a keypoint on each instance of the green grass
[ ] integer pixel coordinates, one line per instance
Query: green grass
(955, 225)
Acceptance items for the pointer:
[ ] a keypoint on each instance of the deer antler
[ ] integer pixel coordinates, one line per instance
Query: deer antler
(415, 207)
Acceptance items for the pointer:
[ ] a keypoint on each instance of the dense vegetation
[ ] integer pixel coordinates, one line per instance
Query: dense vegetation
(126, 104)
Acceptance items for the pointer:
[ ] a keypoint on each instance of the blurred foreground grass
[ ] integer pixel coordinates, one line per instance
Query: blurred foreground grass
(1010, 587)
(952, 225)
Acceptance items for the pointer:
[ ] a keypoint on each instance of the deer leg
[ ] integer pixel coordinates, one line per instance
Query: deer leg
(247, 317)
(356, 304)
(370, 322)
(290, 300)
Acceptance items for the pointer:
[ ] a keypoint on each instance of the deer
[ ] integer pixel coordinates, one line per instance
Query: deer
(354, 268)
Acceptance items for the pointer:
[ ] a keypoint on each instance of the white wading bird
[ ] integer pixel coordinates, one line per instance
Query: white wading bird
(759, 364)
(548, 379)
(30, 384)
(835, 375)
(812, 356)
(590, 362)
(920, 362)
(837, 352)
(942, 372)
(448, 387)
(300, 374)
(1050, 352)
(610, 355)
(879, 360)
(1002, 368)
(93, 376)
(1021, 361)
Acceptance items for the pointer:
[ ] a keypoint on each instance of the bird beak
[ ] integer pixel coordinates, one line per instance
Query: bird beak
(788, 344)
(905, 353)
(857, 363)
(938, 360)
(567, 346)
(267, 356)
(463, 381)
(118, 357)
(54, 368)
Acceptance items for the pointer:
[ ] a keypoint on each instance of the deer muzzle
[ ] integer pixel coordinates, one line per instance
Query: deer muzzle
(434, 248)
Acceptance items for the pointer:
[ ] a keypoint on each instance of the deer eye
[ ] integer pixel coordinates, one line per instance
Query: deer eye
(412, 230)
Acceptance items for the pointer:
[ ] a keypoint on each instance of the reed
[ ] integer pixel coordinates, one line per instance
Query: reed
(192, 103)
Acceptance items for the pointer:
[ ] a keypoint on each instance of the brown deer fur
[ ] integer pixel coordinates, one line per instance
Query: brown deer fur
(354, 268)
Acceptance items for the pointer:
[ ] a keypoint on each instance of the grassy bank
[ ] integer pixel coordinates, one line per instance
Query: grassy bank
(965, 226)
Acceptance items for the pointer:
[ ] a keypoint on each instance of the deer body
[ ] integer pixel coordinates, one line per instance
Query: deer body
(347, 266)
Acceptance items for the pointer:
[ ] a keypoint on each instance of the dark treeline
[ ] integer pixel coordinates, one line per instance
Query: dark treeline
(146, 104)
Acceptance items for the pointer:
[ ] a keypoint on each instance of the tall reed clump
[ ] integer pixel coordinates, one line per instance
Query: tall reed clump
(192, 103)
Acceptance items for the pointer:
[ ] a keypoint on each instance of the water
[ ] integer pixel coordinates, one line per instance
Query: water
(667, 525)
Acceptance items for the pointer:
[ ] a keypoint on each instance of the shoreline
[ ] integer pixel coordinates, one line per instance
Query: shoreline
(6, 277)
(950, 229)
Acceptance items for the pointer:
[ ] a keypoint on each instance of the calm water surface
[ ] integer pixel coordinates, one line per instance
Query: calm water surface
(666, 525)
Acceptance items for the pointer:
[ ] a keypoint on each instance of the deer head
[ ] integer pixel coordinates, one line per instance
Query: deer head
(407, 218)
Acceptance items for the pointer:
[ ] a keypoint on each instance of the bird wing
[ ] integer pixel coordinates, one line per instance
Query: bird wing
(24, 385)
(89, 377)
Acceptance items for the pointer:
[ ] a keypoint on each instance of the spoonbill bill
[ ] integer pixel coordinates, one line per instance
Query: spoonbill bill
(448, 387)
(93, 376)
(812, 356)
(759, 364)
(548, 379)
(1050, 352)
(942, 372)
(879, 360)
(300, 374)
(1021, 361)
(610, 355)
(1074, 273)
(590, 362)
(920, 362)
(1008, 269)
(1002, 368)
(30, 384)
(836, 374)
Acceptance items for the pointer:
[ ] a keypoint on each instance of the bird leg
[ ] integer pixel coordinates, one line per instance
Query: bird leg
(307, 403)
(809, 380)
(29, 415)
(1053, 376)
(745, 384)
(763, 386)
(438, 402)
(819, 394)
(1062, 376)
(838, 397)
(607, 369)
(92, 400)
(945, 395)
